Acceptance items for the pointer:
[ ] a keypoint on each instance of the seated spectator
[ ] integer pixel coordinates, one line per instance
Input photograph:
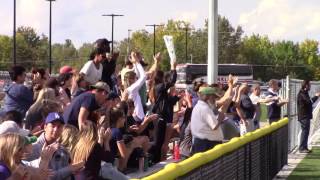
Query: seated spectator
(117, 144)
(12, 123)
(92, 148)
(137, 128)
(84, 105)
(12, 149)
(61, 159)
(52, 131)
(18, 97)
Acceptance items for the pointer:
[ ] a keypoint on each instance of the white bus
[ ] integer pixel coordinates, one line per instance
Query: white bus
(187, 73)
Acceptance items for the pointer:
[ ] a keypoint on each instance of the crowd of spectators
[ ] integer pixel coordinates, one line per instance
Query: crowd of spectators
(101, 123)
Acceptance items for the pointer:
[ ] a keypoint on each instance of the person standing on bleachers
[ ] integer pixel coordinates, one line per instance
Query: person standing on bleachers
(205, 122)
(18, 97)
(274, 106)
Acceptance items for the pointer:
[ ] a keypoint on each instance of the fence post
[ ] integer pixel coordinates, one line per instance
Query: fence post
(288, 108)
(288, 94)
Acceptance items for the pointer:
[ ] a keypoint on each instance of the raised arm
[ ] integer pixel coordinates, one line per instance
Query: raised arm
(173, 77)
(139, 73)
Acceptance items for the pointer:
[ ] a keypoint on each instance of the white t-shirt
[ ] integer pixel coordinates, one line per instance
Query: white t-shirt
(203, 122)
(92, 74)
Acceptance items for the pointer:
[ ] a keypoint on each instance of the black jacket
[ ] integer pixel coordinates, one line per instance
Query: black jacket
(162, 104)
(109, 68)
(305, 105)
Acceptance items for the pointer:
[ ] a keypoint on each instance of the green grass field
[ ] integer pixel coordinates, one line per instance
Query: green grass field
(309, 167)
(263, 113)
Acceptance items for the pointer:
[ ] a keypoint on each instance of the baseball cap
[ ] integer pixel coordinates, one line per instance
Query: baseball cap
(209, 91)
(12, 127)
(66, 70)
(101, 85)
(54, 116)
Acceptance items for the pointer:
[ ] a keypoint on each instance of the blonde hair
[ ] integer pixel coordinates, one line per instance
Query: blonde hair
(88, 137)
(69, 137)
(10, 145)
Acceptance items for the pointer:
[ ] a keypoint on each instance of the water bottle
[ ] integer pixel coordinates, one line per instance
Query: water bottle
(176, 151)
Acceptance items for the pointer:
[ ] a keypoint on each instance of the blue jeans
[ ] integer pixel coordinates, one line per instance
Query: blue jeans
(305, 129)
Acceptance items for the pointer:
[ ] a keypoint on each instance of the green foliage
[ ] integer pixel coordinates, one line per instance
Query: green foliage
(269, 59)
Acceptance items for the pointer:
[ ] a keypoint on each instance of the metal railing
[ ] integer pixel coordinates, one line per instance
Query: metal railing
(257, 155)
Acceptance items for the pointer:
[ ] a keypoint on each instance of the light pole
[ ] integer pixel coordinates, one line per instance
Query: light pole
(154, 36)
(112, 16)
(128, 46)
(212, 42)
(14, 34)
(50, 46)
(186, 28)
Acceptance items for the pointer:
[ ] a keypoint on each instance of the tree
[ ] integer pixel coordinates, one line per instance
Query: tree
(255, 50)
(5, 51)
(31, 50)
(64, 54)
(229, 41)
(309, 54)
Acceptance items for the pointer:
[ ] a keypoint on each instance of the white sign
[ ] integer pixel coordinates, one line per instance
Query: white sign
(170, 47)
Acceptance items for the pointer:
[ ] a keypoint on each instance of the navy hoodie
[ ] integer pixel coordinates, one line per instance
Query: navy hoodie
(18, 97)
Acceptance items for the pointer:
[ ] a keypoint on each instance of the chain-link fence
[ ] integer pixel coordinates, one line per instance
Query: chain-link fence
(4, 79)
(290, 89)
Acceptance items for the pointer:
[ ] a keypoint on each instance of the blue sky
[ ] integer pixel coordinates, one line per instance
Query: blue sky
(81, 20)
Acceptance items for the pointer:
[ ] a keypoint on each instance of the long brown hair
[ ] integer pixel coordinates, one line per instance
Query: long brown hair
(88, 137)
(69, 137)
